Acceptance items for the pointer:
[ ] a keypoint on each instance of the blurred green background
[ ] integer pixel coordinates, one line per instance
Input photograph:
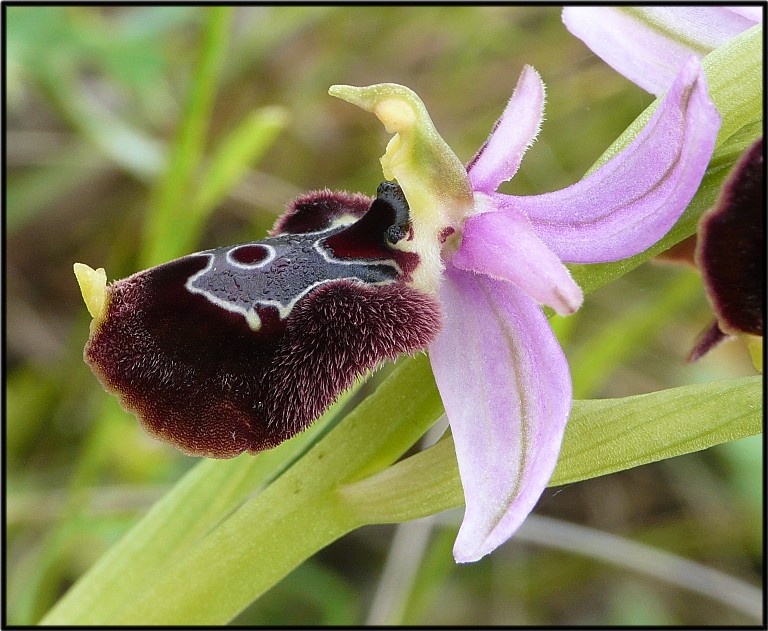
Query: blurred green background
(133, 137)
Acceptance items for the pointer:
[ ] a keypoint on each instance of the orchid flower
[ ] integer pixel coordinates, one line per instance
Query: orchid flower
(650, 44)
(503, 378)
(238, 348)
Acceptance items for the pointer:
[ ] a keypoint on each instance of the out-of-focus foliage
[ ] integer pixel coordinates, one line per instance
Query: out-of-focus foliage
(96, 97)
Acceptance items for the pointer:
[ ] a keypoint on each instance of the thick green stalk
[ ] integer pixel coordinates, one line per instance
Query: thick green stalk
(240, 560)
(603, 436)
(203, 498)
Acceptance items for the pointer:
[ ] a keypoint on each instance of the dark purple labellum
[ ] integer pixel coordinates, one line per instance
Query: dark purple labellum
(731, 247)
(240, 348)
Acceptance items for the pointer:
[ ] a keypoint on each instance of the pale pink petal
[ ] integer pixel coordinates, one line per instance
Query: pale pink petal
(650, 44)
(506, 388)
(503, 245)
(634, 199)
(753, 13)
(499, 158)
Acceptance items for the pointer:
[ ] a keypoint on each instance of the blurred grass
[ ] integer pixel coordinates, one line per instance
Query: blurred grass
(96, 99)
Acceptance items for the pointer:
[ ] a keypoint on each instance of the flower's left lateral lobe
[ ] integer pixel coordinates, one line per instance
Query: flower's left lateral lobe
(239, 348)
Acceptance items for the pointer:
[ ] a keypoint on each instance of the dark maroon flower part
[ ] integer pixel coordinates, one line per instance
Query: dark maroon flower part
(707, 340)
(239, 348)
(730, 253)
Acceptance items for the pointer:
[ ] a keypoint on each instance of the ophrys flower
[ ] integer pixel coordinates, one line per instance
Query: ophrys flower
(502, 376)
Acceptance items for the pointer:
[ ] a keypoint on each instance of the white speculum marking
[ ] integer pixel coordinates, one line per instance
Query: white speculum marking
(294, 265)
(270, 256)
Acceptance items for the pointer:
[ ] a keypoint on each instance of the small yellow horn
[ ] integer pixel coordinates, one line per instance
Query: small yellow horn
(93, 286)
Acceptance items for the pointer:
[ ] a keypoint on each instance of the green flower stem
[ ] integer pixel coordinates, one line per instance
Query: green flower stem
(175, 522)
(603, 436)
(734, 77)
(424, 484)
(207, 494)
(171, 196)
(241, 559)
(609, 435)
